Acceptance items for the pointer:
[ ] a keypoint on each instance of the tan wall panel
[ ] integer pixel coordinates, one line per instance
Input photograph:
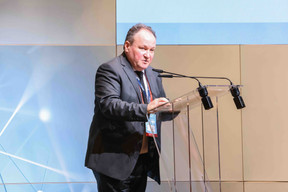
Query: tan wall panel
(227, 187)
(119, 49)
(266, 187)
(265, 133)
(197, 60)
(230, 139)
(232, 187)
(211, 148)
(209, 61)
(58, 22)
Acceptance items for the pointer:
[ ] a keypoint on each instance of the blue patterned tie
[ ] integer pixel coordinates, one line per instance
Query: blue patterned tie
(140, 75)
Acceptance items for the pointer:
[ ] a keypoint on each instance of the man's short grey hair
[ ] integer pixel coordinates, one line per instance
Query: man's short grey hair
(135, 29)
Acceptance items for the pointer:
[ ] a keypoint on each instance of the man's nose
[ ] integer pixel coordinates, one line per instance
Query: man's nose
(147, 53)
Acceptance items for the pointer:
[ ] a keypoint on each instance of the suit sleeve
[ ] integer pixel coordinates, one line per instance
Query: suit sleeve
(108, 87)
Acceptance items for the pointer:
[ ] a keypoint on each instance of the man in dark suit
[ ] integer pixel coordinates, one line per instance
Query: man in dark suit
(121, 151)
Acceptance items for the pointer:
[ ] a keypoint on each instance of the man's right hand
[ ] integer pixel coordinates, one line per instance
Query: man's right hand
(156, 103)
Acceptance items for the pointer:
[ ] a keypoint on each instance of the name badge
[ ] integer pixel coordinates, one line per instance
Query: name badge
(151, 127)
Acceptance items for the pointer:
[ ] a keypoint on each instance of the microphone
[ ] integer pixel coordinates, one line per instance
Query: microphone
(166, 76)
(206, 100)
(175, 75)
(158, 70)
(180, 75)
(234, 90)
(238, 100)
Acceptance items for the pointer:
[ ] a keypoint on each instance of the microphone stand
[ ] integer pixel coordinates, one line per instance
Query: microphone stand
(206, 100)
(234, 90)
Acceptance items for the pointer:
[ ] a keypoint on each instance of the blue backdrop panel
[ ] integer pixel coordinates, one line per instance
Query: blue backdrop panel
(207, 22)
(213, 33)
(46, 106)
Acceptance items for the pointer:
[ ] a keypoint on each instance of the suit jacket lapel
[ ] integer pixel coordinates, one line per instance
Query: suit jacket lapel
(131, 75)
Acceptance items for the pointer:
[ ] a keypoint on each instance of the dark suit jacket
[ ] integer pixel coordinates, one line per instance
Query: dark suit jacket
(116, 132)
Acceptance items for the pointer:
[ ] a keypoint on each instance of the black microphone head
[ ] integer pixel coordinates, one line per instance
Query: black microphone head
(206, 100)
(158, 70)
(234, 91)
(166, 76)
(202, 91)
(239, 102)
(207, 103)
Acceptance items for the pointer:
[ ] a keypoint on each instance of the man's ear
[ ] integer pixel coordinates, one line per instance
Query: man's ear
(126, 46)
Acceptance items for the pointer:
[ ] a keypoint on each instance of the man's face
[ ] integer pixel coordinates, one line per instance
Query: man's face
(141, 52)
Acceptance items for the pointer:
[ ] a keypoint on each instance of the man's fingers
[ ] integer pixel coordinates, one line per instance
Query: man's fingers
(156, 103)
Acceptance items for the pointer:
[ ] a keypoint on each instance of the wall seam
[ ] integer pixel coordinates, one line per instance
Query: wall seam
(241, 121)
(115, 28)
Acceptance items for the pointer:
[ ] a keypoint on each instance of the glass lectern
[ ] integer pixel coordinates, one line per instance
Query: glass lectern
(185, 143)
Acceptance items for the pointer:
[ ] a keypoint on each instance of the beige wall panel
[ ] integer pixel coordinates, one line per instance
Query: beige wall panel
(166, 162)
(215, 186)
(196, 141)
(230, 139)
(119, 49)
(211, 143)
(229, 148)
(197, 60)
(182, 146)
(58, 22)
(208, 60)
(265, 133)
(232, 187)
(266, 187)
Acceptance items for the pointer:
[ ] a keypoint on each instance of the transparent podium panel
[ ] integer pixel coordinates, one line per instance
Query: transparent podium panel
(190, 153)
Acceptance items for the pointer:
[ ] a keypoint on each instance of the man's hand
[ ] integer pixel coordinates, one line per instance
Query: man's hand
(156, 103)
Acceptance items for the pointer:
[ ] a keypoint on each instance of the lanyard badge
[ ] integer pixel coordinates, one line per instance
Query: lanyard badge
(151, 126)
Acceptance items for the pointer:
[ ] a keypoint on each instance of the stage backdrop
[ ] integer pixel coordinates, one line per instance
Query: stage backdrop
(49, 53)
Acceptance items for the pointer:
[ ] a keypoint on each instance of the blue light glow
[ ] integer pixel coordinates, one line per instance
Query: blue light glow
(44, 115)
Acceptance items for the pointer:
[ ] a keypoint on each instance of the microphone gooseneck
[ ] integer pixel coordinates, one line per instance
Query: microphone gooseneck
(194, 77)
(175, 75)
(234, 90)
(206, 100)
